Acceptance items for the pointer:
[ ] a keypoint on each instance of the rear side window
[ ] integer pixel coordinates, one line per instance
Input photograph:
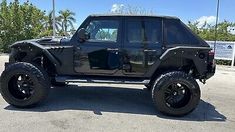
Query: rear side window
(178, 33)
(144, 31)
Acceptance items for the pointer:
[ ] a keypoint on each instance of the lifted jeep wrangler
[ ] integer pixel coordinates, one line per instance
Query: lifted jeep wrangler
(156, 51)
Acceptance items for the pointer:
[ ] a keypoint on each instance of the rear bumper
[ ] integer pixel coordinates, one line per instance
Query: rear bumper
(211, 71)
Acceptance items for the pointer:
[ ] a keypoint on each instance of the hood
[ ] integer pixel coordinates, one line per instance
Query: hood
(53, 41)
(49, 41)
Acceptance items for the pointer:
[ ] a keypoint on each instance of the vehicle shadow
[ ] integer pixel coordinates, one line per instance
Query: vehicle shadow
(117, 100)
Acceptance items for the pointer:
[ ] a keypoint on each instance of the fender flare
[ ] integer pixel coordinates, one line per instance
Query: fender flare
(186, 52)
(32, 44)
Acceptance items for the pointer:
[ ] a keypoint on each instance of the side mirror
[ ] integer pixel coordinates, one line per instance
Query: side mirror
(83, 35)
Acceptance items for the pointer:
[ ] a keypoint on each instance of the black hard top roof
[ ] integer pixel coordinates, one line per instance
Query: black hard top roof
(128, 15)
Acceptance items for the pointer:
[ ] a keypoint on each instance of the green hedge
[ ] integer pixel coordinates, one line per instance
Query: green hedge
(223, 62)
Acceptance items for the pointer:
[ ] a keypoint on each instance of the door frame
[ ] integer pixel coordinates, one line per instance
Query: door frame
(143, 47)
(107, 45)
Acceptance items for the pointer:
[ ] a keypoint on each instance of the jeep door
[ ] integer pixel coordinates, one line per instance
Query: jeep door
(142, 44)
(100, 53)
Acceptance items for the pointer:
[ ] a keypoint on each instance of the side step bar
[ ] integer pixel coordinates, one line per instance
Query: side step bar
(102, 80)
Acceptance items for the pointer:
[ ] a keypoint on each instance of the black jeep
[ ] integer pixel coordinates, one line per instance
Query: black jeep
(159, 52)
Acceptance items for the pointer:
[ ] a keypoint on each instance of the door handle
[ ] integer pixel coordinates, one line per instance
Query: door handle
(112, 49)
(150, 50)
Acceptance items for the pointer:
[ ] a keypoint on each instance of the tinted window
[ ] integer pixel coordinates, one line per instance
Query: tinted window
(147, 31)
(177, 33)
(103, 30)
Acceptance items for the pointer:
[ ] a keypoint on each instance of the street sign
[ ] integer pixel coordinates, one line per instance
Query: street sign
(224, 50)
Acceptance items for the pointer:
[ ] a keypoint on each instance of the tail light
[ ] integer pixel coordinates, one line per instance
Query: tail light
(211, 53)
(211, 58)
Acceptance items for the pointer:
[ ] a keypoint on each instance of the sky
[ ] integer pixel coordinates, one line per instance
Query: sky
(193, 10)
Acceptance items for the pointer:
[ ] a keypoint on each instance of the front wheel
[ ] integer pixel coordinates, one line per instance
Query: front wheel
(176, 93)
(24, 85)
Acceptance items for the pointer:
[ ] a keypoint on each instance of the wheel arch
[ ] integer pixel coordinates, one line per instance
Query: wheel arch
(33, 52)
(185, 59)
(186, 65)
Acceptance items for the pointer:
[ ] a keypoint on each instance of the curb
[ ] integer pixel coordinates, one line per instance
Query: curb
(225, 68)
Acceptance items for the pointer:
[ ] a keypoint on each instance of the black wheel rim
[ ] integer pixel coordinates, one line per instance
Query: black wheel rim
(177, 95)
(21, 86)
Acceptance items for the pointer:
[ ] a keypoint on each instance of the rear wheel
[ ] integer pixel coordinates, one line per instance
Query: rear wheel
(176, 93)
(24, 85)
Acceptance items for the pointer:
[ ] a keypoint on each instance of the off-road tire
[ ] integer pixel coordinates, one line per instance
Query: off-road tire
(166, 81)
(52, 80)
(40, 81)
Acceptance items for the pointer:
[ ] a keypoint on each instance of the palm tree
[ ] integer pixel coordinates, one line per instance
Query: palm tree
(48, 24)
(67, 19)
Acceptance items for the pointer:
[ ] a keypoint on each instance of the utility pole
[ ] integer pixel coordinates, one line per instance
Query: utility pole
(216, 23)
(54, 27)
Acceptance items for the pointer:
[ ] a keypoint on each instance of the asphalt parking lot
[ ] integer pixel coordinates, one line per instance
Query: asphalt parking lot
(105, 107)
